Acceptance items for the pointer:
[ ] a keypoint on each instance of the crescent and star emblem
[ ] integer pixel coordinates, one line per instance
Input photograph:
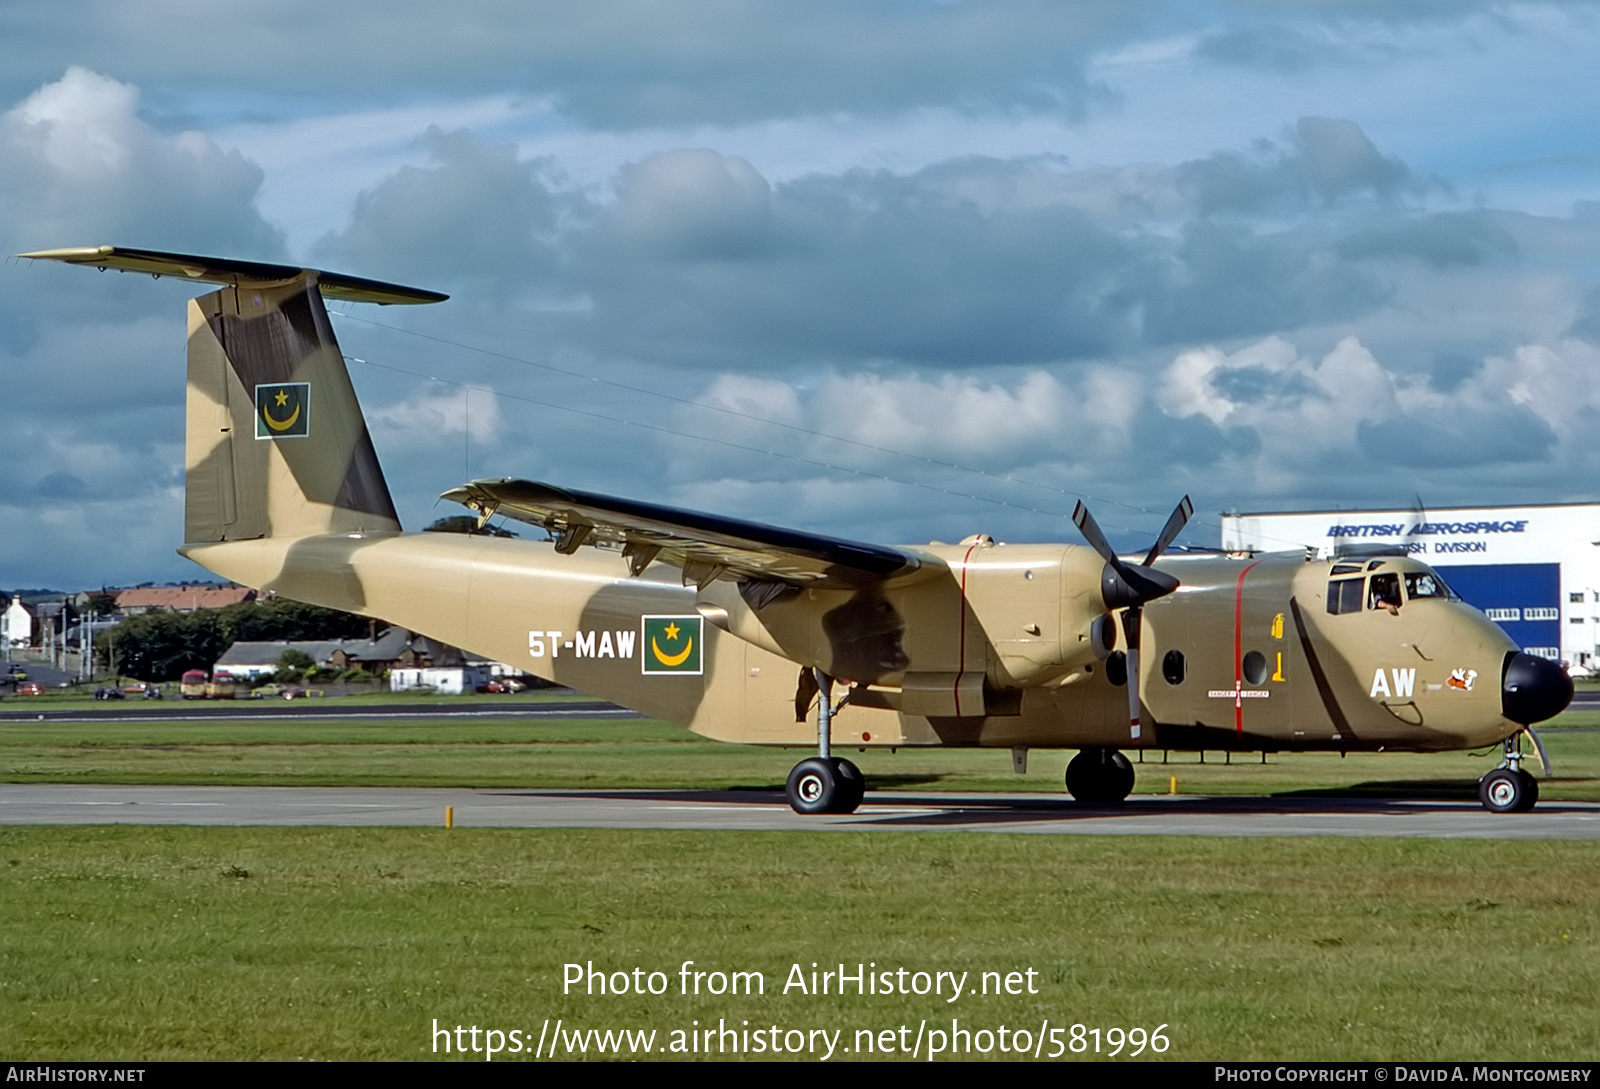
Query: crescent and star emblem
(282, 410)
(671, 661)
(282, 399)
(681, 637)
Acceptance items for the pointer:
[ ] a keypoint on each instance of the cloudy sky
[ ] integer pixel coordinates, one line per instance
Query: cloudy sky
(896, 270)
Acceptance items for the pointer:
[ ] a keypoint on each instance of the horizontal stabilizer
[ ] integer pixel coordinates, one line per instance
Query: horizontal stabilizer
(222, 270)
(705, 546)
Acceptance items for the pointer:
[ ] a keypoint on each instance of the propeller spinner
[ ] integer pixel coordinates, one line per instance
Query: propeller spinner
(1128, 586)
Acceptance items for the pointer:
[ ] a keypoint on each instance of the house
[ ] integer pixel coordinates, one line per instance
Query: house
(16, 624)
(411, 660)
(180, 599)
(247, 660)
(447, 680)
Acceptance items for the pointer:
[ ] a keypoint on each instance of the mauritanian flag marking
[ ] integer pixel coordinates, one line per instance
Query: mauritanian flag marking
(671, 644)
(283, 410)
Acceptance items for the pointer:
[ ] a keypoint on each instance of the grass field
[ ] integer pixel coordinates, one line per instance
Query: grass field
(240, 943)
(589, 753)
(178, 943)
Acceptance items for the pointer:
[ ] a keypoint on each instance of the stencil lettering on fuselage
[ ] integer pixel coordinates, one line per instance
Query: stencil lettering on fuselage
(583, 644)
(1405, 682)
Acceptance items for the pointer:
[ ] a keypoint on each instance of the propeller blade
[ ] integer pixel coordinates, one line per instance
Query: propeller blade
(1126, 584)
(1091, 533)
(1132, 623)
(1169, 533)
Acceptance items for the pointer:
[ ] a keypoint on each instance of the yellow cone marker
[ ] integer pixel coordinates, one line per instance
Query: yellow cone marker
(449, 816)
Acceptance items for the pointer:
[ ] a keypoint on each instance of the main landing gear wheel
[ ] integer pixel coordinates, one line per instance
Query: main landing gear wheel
(1508, 790)
(825, 785)
(1099, 776)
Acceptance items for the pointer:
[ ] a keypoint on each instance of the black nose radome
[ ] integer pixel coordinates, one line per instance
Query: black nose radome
(1533, 689)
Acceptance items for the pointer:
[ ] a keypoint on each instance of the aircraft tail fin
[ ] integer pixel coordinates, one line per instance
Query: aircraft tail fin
(277, 445)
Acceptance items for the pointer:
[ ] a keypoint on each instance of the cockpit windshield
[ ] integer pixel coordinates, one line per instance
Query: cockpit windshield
(1382, 590)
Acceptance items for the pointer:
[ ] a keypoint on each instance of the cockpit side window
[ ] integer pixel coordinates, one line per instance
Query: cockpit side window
(1384, 591)
(1426, 584)
(1344, 595)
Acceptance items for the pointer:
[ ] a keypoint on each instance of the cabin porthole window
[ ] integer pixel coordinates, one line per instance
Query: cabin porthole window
(1172, 667)
(1254, 667)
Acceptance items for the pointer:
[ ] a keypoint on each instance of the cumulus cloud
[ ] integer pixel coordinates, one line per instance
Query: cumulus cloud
(697, 260)
(1321, 158)
(1305, 319)
(1385, 431)
(429, 417)
(80, 165)
(475, 214)
(621, 64)
(1085, 328)
(693, 204)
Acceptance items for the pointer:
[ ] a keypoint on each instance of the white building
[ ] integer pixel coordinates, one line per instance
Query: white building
(16, 625)
(1534, 570)
(446, 680)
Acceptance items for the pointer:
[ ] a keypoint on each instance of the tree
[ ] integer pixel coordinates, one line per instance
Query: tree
(293, 665)
(466, 523)
(161, 646)
(289, 621)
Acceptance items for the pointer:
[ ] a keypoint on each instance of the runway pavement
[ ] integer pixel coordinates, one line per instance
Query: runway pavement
(245, 710)
(40, 804)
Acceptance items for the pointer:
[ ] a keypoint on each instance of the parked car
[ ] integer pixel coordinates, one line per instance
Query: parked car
(105, 692)
(30, 688)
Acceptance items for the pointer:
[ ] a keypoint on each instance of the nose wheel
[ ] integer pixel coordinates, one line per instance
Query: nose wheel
(1508, 788)
(825, 783)
(1099, 776)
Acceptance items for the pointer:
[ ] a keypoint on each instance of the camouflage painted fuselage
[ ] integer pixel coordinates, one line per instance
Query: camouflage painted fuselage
(719, 625)
(993, 647)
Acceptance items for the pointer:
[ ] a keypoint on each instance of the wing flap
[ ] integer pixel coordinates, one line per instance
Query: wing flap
(705, 546)
(224, 270)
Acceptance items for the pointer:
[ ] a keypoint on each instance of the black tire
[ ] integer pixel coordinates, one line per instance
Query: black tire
(1507, 791)
(1532, 786)
(1100, 776)
(852, 787)
(813, 786)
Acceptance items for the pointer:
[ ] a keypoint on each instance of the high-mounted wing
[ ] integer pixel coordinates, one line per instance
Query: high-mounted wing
(705, 546)
(223, 270)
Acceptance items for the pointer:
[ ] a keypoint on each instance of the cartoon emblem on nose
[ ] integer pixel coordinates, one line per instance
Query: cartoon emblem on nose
(1461, 679)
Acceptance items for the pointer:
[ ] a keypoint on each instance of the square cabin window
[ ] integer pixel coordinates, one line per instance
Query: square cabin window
(1344, 595)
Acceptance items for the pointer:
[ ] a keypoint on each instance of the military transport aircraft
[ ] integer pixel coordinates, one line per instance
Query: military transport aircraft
(750, 633)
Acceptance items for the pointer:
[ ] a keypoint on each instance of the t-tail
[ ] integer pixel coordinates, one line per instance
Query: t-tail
(276, 444)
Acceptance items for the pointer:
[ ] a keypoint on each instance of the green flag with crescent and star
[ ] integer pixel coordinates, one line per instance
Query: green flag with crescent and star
(671, 644)
(283, 410)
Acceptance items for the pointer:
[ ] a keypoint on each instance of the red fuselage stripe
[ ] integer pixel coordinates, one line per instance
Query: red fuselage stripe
(1238, 647)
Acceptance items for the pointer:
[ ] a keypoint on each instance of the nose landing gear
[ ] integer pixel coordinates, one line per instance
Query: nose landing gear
(1509, 789)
